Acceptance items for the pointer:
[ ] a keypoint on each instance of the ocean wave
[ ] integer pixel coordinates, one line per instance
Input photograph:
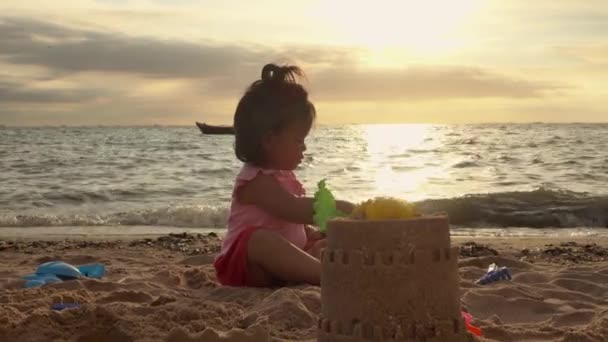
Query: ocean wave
(466, 141)
(173, 216)
(419, 150)
(465, 164)
(540, 208)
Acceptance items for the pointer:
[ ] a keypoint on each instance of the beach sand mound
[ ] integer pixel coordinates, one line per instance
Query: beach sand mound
(156, 293)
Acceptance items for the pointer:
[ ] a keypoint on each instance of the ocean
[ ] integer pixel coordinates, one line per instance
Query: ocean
(484, 175)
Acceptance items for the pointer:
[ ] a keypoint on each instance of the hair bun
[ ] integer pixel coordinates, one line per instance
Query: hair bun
(274, 73)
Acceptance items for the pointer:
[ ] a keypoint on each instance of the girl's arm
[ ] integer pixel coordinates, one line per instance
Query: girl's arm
(267, 193)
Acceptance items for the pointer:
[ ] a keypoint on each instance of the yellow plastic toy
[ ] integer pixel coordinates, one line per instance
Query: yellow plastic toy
(384, 208)
(379, 208)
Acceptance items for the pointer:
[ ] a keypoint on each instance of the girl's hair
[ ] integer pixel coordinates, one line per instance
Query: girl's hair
(268, 105)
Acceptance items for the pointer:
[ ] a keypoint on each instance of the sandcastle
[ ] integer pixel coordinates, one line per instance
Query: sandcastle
(393, 280)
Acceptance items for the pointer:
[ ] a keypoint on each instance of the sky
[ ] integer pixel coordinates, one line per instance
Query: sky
(145, 62)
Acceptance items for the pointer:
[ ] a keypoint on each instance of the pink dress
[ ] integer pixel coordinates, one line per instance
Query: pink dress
(244, 219)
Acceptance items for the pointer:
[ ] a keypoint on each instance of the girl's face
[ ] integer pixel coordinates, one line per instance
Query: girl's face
(285, 149)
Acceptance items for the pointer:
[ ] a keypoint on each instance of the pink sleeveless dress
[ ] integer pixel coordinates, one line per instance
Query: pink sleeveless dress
(244, 219)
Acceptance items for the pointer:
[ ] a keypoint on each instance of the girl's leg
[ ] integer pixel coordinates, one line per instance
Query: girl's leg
(270, 256)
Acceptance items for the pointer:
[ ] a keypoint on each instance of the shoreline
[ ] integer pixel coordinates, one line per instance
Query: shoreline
(43, 233)
(139, 231)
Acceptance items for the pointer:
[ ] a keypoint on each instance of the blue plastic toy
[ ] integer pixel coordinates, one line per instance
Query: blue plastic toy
(34, 280)
(61, 306)
(495, 273)
(92, 271)
(58, 271)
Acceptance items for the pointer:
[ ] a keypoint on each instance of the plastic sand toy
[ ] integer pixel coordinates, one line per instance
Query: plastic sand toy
(379, 208)
(494, 273)
(58, 271)
(384, 208)
(324, 207)
(62, 306)
(468, 322)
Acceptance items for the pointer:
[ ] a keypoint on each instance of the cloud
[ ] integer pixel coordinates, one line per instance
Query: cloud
(589, 54)
(424, 83)
(20, 93)
(223, 67)
(65, 49)
(72, 74)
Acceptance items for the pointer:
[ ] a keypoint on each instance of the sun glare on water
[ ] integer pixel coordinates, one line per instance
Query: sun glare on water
(386, 145)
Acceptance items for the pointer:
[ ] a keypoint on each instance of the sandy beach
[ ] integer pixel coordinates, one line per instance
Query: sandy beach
(163, 288)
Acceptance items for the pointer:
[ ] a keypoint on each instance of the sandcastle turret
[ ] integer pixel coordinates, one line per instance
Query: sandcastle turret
(393, 280)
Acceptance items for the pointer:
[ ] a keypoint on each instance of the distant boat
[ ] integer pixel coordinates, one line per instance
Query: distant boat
(209, 129)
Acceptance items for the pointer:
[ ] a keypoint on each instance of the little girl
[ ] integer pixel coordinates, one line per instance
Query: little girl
(268, 240)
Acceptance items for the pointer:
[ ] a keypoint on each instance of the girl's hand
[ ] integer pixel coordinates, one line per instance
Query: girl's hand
(317, 248)
(315, 243)
(313, 234)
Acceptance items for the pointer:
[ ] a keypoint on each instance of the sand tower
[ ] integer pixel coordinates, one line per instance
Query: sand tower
(394, 280)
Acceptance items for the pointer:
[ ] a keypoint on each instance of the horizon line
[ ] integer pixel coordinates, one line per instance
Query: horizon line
(320, 124)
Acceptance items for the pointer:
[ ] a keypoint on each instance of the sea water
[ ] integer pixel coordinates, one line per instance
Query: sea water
(485, 175)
